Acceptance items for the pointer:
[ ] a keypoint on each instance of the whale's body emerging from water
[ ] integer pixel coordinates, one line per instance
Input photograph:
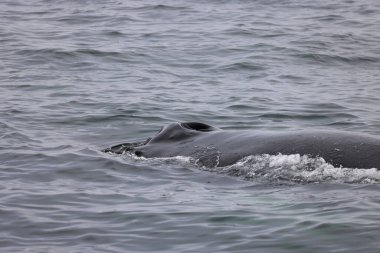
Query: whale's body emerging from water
(214, 147)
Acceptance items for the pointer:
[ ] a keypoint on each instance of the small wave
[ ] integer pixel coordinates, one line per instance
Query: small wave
(113, 33)
(308, 115)
(90, 118)
(337, 59)
(244, 107)
(80, 19)
(58, 53)
(242, 66)
(326, 18)
(161, 7)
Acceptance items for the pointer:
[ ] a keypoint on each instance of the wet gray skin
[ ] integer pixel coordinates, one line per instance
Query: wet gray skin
(211, 146)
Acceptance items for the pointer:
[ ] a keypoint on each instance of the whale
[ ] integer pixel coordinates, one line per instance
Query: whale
(213, 147)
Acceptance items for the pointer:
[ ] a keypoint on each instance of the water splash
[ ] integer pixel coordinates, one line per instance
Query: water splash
(298, 169)
(279, 168)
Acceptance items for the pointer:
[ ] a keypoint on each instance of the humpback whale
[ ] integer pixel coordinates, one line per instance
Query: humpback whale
(214, 147)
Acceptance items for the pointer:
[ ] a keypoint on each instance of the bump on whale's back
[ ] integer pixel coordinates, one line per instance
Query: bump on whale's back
(180, 131)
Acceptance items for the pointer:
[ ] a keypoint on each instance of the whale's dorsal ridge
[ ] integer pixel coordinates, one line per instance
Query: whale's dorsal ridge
(197, 140)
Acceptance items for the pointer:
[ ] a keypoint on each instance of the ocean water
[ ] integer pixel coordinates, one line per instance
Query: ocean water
(79, 76)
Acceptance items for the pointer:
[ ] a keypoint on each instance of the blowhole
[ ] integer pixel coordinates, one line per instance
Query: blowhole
(196, 126)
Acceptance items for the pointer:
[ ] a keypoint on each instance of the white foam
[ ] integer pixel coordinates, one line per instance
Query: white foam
(292, 168)
(297, 168)
(175, 159)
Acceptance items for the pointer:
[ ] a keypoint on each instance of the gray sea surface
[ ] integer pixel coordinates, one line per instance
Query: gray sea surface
(79, 76)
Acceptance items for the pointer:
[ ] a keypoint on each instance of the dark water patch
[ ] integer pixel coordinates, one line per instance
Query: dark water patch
(294, 78)
(316, 6)
(81, 101)
(242, 66)
(308, 116)
(161, 7)
(335, 59)
(327, 18)
(326, 106)
(16, 138)
(245, 32)
(78, 60)
(83, 120)
(244, 107)
(80, 19)
(366, 11)
(114, 33)
(55, 53)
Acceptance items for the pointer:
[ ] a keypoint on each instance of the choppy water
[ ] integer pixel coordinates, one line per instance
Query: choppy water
(78, 76)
